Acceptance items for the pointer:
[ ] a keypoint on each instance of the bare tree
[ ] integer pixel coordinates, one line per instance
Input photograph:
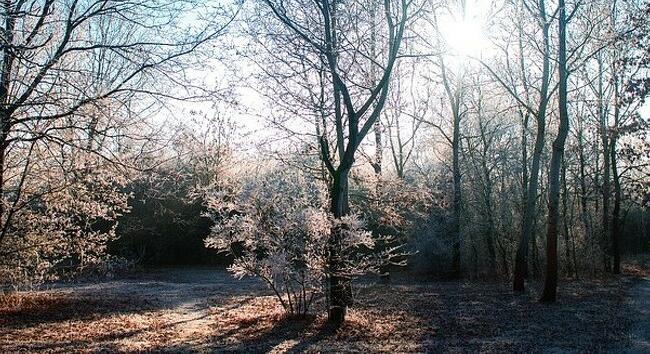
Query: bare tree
(75, 77)
(525, 99)
(550, 282)
(333, 33)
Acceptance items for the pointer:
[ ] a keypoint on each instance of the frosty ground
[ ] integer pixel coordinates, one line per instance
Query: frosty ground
(206, 310)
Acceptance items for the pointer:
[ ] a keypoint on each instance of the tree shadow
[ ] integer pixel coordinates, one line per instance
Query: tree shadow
(132, 295)
(107, 342)
(36, 309)
(287, 334)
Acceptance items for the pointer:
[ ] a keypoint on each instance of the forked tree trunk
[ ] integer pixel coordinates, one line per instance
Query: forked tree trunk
(550, 282)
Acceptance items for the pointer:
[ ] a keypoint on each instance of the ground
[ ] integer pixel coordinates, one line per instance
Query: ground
(206, 310)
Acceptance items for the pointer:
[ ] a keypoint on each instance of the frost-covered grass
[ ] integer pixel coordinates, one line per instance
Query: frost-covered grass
(205, 310)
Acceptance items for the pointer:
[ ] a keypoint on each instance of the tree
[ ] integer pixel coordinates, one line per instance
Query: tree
(404, 118)
(77, 79)
(550, 281)
(276, 226)
(631, 88)
(530, 181)
(326, 34)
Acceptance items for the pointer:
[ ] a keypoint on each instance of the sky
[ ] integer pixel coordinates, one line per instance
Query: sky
(465, 34)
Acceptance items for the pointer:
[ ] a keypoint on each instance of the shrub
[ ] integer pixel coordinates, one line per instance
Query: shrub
(277, 228)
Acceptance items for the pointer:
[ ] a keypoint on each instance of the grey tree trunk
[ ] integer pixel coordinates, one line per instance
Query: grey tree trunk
(339, 284)
(584, 211)
(606, 189)
(565, 222)
(616, 214)
(457, 195)
(550, 281)
(530, 209)
(454, 95)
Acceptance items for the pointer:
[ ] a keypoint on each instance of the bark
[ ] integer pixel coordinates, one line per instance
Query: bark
(530, 209)
(454, 96)
(339, 284)
(5, 112)
(565, 222)
(605, 236)
(616, 215)
(3, 148)
(550, 282)
(584, 213)
(457, 195)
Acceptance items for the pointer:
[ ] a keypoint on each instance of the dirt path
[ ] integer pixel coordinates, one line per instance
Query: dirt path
(640, 331)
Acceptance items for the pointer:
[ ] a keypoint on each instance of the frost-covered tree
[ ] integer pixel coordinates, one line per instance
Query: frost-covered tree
(276, 226)
(77, 79)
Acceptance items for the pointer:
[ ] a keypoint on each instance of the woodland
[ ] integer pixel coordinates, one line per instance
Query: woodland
(324, 176)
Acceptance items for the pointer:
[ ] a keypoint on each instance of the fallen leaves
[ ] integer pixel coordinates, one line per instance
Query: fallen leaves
(406, 317)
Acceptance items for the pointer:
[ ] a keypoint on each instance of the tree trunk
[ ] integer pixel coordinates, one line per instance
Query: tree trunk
(339, 283)
(521, 260)
(457, 195)
(584, 212)
(455, 95)
(616, 214)
(3, 148)
(550, 282)
(6, 66)
(605, 236)
(530, 210)
(565, 222)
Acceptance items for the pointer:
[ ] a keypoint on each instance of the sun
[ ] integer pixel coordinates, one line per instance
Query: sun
(463, 37)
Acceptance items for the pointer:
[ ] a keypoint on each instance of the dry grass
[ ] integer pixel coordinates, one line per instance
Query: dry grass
(226, 316)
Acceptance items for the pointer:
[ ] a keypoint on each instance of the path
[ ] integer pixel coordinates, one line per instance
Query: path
(640, 332)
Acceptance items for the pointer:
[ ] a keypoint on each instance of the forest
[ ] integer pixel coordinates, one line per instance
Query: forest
(353, 176)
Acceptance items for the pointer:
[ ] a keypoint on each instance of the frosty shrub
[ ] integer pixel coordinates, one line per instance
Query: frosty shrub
(277, 227)
(61, 220)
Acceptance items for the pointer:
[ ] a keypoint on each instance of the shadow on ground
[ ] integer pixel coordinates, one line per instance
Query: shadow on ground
(206, 310)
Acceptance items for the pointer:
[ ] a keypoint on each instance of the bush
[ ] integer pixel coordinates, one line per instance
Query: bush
(277, 228)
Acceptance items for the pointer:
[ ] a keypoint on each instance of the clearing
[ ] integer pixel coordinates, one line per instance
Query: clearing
(206, 310)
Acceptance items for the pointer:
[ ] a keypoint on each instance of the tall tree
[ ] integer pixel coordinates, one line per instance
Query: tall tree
(550, 282)
(539, 111)
(323, 27)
